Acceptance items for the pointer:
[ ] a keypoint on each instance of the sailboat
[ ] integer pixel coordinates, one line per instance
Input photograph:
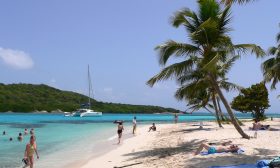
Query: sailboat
(87, 112)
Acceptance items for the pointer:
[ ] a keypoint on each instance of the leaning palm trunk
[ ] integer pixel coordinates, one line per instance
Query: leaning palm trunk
(210, 111)
(216, 110)
(231, 115)
(212, 114)
(224, 118)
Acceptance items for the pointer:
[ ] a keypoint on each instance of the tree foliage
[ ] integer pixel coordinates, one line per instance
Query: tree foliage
(253, 99)
(209, 48)
(229, 2)
(28, 97)
(271, 67)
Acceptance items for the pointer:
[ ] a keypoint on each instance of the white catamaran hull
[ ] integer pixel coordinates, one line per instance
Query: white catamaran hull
(86, 113)
(91, 114)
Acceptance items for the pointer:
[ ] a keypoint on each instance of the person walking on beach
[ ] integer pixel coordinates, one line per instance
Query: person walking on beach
(120, 130)
(31, 147)
(175, 118)
(134, 122)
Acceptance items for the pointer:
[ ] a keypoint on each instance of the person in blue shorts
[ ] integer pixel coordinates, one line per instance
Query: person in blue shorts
(217, 149)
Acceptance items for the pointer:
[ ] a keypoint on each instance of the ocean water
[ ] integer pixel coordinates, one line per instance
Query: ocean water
(65, 140)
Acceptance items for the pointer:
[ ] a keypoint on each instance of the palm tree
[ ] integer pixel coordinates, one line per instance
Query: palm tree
(207, 30)
(229, 2)
(271, 67)
(198, 91)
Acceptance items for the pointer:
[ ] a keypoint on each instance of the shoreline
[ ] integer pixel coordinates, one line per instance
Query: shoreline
(106, 146)
(110, 158)
(172, 145)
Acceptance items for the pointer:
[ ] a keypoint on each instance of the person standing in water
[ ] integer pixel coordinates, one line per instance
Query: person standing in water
(32, 131)
(120, 130)
(20, 138)
(25, 131)
(30, 149)
(134, 122)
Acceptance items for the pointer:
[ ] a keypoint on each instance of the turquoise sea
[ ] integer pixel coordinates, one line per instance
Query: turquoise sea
(65, 140)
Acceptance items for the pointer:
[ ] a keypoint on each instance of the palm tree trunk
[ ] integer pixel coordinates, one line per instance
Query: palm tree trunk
(216, 110)
(231, 115)
(210, 111)
(224, 118)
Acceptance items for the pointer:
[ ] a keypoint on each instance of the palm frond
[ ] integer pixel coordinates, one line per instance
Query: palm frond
(208, 9)
(171, 48)
(228, 86)
(254, 49)
(278, 38)
(187, 18)
(226, 66)
(212, 64)
(229, 2)
(271, 71)
(225, 19)
(173, 70)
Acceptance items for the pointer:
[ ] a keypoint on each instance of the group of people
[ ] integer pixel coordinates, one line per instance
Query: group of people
(20, 135)
(210, 147)
(30, 149)
(134, 125)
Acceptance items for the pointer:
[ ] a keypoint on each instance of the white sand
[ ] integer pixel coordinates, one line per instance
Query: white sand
(172, 145)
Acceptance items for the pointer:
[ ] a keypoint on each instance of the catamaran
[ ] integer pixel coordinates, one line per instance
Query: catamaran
(87, 112)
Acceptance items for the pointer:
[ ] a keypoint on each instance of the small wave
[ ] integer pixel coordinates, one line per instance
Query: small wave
(112, 138)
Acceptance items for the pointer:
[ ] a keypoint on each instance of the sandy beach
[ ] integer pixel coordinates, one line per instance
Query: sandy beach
(172, 145)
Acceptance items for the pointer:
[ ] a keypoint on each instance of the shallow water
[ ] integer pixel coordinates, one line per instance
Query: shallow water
(63, 140)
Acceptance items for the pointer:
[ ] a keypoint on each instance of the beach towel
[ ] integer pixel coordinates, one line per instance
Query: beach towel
(240, 151)
(236, 166)
(260, 164)
(263, 164)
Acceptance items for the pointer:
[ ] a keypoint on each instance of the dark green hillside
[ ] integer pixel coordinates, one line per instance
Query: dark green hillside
(29, 97)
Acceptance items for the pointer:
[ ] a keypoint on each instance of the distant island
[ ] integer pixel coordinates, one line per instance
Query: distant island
(30, 98)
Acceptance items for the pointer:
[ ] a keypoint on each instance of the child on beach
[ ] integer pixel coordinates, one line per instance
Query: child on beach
(31, 147)
(120, 130)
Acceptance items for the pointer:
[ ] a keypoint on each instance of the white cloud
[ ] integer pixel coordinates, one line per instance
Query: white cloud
(16, 58)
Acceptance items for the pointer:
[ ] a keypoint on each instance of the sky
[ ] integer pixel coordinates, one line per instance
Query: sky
(52, 42)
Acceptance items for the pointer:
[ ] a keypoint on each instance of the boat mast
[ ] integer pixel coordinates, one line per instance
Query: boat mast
(89, 88)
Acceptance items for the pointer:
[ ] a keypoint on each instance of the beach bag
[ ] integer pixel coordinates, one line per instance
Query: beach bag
(275, 162)
(25, 161)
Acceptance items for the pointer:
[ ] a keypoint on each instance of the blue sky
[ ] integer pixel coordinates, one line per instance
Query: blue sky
(52, 42)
